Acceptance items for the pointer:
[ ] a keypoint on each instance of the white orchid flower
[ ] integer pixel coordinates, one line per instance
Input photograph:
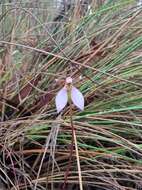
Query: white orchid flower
(69, 92)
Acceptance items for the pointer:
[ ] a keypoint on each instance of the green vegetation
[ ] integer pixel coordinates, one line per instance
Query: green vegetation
(99, 45)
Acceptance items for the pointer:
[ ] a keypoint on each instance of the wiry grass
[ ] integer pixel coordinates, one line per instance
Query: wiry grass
(100, 48)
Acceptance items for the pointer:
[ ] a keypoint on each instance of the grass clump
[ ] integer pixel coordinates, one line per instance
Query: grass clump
(98, 44)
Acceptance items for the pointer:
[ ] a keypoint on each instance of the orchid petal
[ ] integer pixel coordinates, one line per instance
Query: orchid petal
(61, 99)
(77, 98)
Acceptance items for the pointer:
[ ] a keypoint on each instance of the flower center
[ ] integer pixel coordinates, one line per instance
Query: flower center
(68, 80)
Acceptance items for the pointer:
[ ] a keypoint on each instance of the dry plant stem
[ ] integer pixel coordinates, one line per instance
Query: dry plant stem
(71, 151)
(74, 142)
(78, 161)
(41, 163)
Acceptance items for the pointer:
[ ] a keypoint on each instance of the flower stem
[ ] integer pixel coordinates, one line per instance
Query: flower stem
(76, 148)
(73, 142)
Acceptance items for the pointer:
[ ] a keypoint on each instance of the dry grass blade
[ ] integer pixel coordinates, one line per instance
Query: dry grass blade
(98, 44)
